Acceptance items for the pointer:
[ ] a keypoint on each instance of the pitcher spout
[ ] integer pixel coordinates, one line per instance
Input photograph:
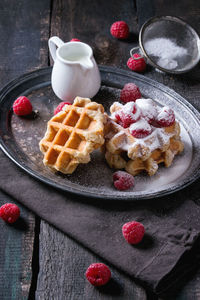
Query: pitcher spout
(87, 64)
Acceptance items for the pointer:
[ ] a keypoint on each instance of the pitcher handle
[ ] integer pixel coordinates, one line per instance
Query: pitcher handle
(54, 42)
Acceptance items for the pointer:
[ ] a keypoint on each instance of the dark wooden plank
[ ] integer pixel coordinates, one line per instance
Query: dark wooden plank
(90, 21)
(62, 272)
(24, 33)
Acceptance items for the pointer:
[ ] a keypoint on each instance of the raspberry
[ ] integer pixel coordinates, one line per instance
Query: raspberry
(119, 30)
(60, 106)
(98, 274)
(75, 40)
(148, 108)
(130, 92)
(9, 212)
(22, 106)
(123, 180)
(128, 114)
(166, 117)
(136, 65)
(123, 119)
(133, 232)
(140, 129)
(140, 133)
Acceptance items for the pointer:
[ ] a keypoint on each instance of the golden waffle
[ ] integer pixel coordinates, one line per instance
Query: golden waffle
(72, 135)
(123, 151)
(150, 165)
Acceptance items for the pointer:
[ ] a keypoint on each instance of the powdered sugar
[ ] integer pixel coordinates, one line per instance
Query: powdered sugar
(114, 108)
(156, 140)
(148, 108)
(140, 129)
(141, 124)
(165, 114)
(166, 51)
(150, 136)
(165, 117)
(132, 109)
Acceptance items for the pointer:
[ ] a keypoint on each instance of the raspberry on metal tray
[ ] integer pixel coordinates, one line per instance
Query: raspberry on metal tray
(130, 92)
(60, 107)
(22, 106)
(123, 180)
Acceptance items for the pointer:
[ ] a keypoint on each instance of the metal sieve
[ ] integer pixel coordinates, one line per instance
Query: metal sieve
(169, 44)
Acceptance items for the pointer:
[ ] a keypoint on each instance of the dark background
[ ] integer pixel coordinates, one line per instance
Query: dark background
(35, 258)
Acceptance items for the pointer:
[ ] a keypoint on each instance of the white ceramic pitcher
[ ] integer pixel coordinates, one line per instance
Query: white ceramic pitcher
(75, 72)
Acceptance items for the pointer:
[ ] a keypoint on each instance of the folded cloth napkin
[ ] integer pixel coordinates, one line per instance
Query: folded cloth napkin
(168, 251)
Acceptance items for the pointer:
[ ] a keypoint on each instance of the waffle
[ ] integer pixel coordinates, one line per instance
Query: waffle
(123, 151)
(72, 135)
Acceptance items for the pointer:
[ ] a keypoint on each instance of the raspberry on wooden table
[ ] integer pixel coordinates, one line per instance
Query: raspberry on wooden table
(9, 212)
(60, 106)
(75, 40)
(133, 232)
(98, 274)
(22, 106)
(123, 180)
(130, 92)
(119, 30)
(138, 65)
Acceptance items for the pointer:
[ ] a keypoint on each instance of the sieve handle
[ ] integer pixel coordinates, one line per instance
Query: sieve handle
(135, 50)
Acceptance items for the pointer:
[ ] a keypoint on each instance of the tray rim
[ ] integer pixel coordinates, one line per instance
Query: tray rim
(108, 69)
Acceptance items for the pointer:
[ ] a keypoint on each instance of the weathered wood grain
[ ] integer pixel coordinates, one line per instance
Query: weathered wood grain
(63, 263)
(24, 33)
(90, 21)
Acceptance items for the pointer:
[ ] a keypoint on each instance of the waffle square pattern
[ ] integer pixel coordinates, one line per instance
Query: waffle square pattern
(72, 135)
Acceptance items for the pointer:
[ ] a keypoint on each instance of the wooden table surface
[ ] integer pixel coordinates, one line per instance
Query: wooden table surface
(36, 260)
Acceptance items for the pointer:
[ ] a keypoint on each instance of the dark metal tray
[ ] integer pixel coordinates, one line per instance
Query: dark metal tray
(19, 137)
